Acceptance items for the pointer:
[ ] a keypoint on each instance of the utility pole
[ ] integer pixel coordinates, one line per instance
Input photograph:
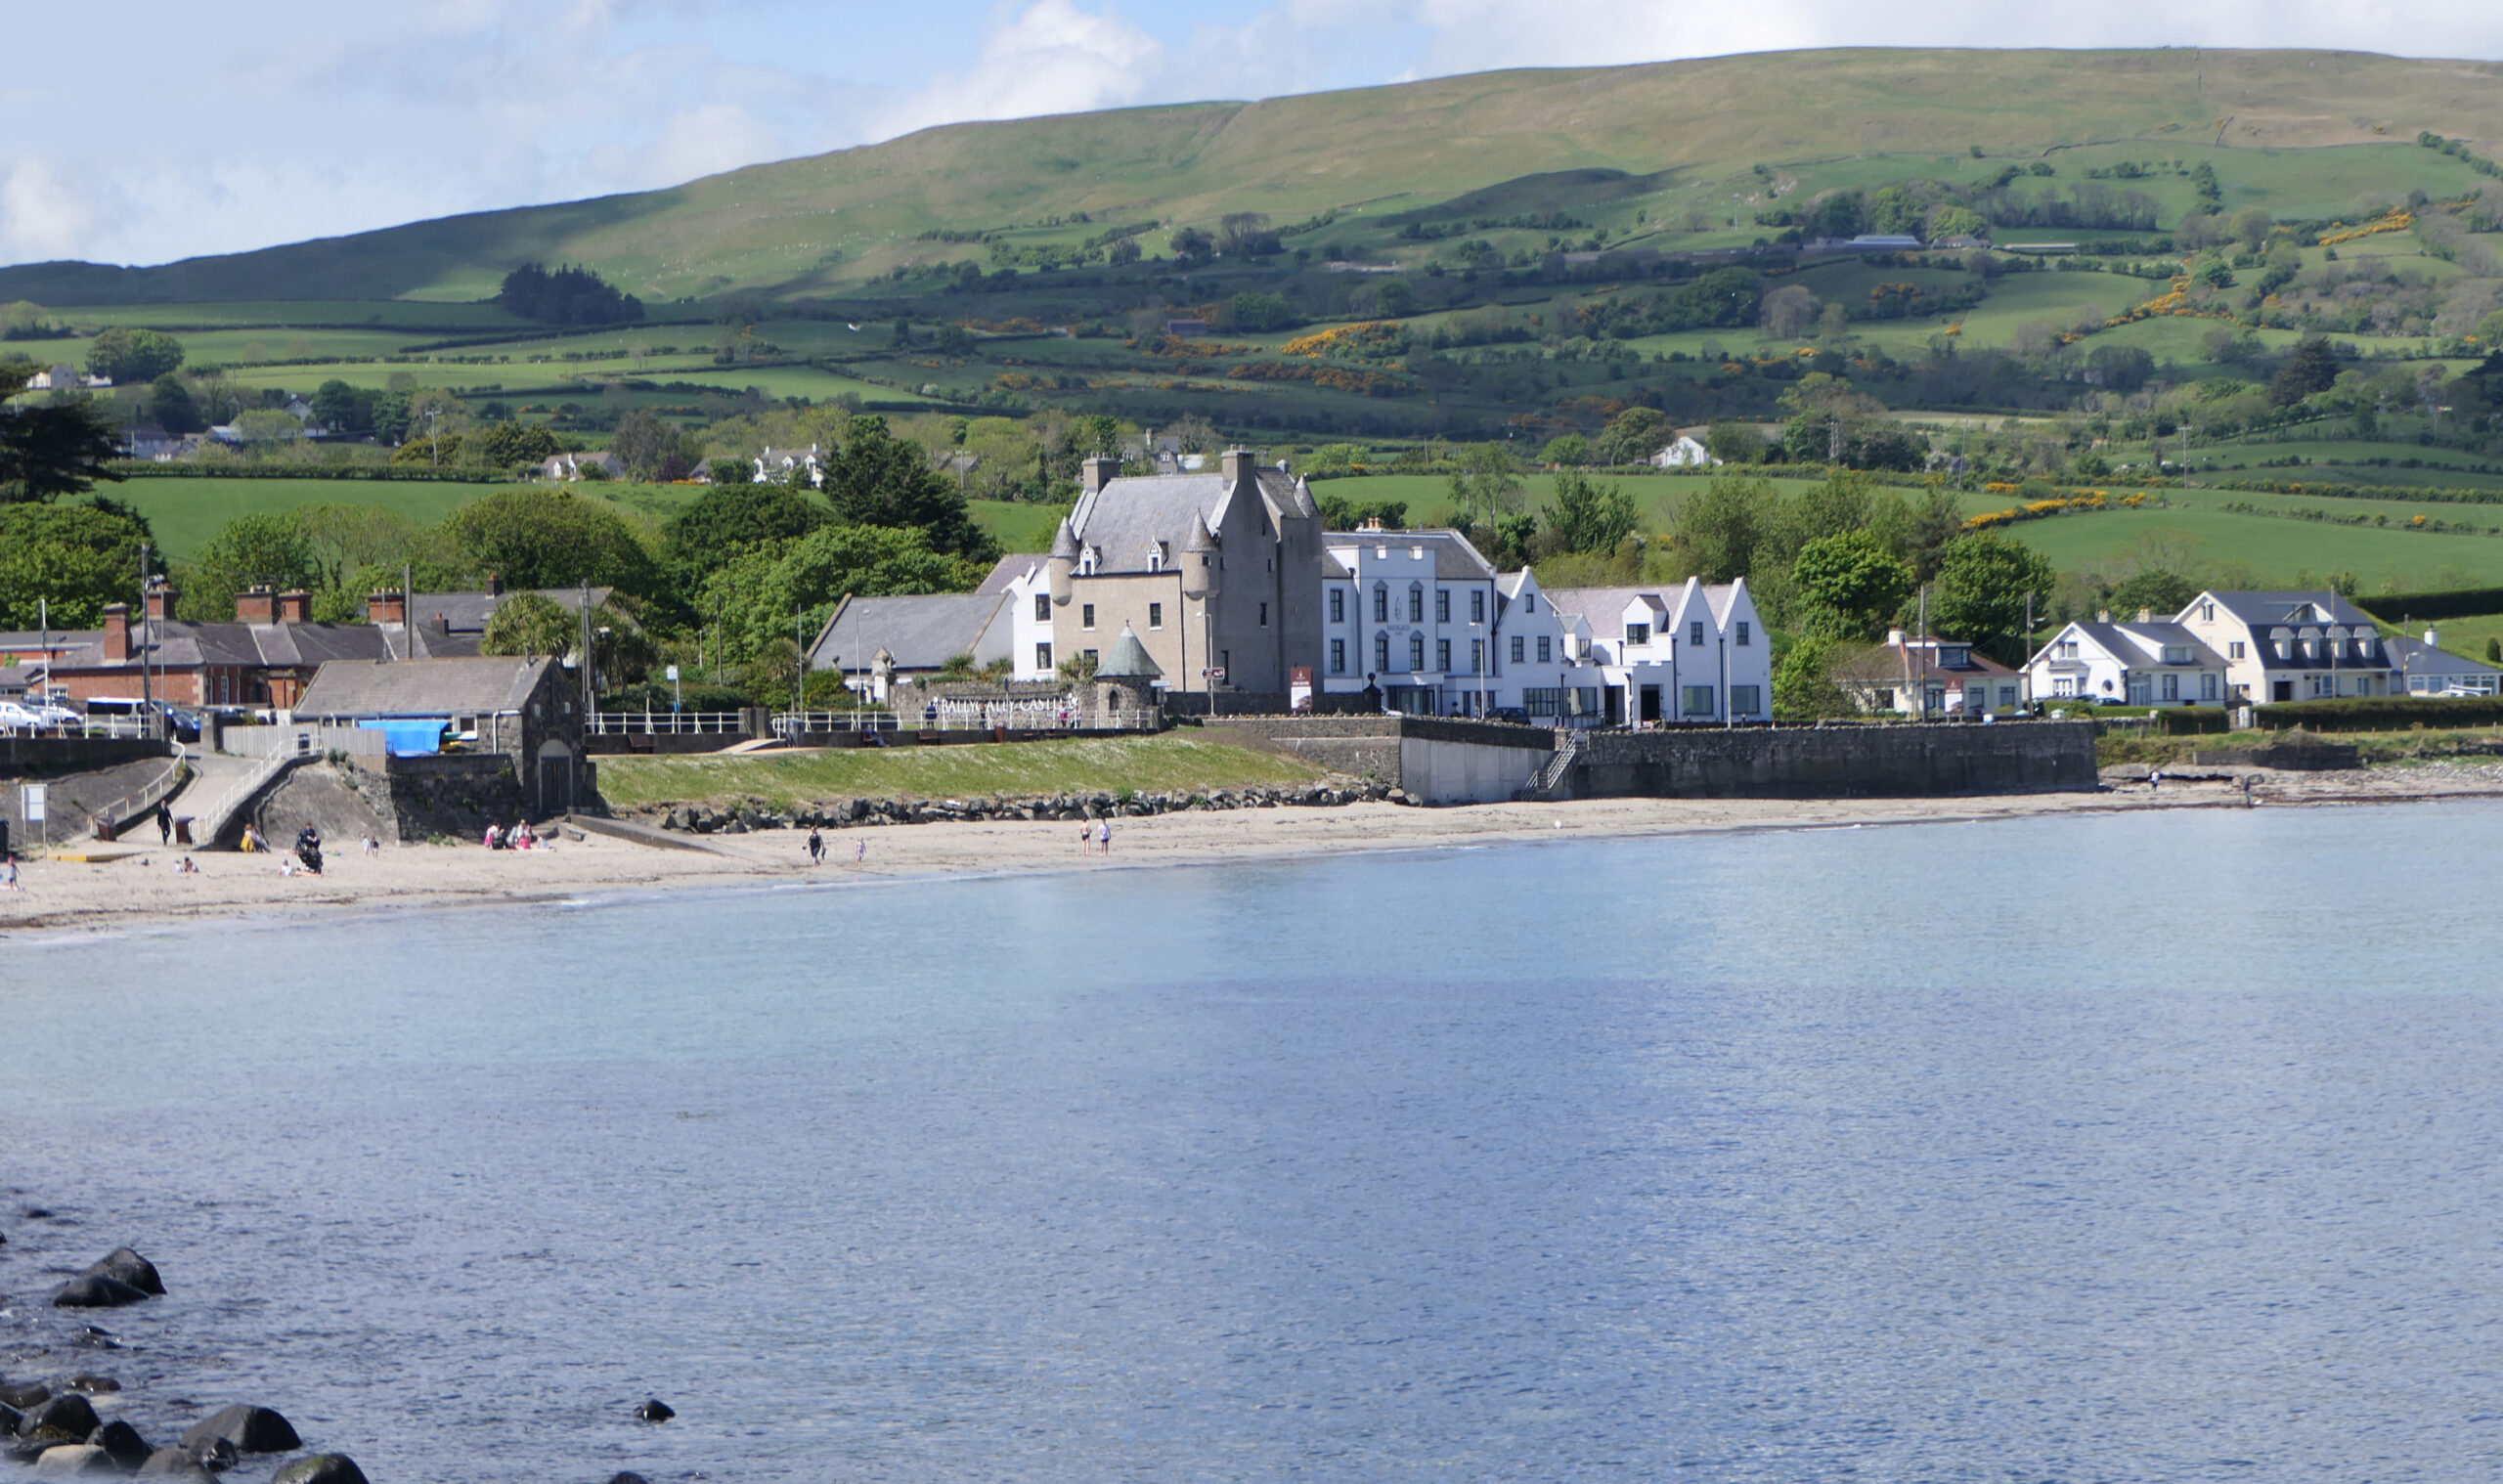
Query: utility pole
(147, 694)
(584, 675)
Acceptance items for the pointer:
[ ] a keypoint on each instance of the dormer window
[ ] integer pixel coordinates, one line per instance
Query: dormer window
(1087, 562)
(1637, 634)
(2176, 654)
(1954, 657)
(1156, 557)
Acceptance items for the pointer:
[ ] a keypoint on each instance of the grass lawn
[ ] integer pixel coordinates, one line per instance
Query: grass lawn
(1016, 525)
(187, 513)
(2382, 747)
(1170, 762)
(2384, 560)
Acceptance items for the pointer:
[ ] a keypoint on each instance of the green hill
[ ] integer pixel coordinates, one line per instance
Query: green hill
(1653, 144)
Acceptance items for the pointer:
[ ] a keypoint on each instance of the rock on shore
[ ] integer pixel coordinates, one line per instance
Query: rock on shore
(321, 1468)
(252, 1429)
(843, 813)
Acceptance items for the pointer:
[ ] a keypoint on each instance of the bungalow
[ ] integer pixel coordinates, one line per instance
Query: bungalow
(520, 709)
(778, 465)
(2432, 670)
(2145, 663)
(1931, 678)
(571, 466)
(876, 642)
(1684, 453)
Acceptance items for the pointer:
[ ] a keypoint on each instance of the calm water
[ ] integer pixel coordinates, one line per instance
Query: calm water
(2123, 1148)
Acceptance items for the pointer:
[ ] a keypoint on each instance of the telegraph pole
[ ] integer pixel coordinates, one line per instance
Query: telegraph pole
(147, 694)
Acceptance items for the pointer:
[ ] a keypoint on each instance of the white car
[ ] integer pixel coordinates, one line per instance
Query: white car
(17, 717)
(56, 716)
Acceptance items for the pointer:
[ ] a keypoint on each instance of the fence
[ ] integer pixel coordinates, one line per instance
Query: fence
(793, 723)
(1042, 714)
(668, 723)
(303, 740)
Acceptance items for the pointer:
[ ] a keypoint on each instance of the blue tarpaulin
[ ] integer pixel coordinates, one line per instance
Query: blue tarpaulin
(411, 739)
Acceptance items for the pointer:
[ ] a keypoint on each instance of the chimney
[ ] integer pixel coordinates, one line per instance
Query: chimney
(295, 606)
(2103, 615)
(162, 598)
(117, 632)
(2146, 615)
(1099, 472)
(1894, 638)
(1242, 466)
(386, 606)
(257, 604)
(495, 584)
(2433, 639)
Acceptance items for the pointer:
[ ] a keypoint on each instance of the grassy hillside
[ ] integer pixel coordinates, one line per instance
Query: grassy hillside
(1682, 137)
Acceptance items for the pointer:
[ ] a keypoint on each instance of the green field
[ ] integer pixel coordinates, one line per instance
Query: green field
(1175, 762)
(187, 513)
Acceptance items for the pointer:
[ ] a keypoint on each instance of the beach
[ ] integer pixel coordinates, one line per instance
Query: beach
(126, 885)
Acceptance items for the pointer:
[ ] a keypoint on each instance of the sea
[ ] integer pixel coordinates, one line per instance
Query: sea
(2131, 1147)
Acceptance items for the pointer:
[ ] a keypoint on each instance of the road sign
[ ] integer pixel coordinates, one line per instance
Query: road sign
(673, 672)
(32, 797)
(1214, 673)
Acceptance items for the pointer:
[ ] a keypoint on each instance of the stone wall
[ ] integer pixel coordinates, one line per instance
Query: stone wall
(1910, 761)
(1439, 760)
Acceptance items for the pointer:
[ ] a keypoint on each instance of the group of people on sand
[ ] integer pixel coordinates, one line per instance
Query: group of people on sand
(1095, 837)
(816, 848)
(519, 837)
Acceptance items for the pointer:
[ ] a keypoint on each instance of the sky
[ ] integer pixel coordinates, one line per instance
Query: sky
(144, 131)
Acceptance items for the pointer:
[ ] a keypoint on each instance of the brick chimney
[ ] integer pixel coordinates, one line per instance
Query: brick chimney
(1242, 466)
(257, 604)
(495, 584)
(295, 606)
(117, 632)
(388, 606)
(161, 598)
(1100, 471)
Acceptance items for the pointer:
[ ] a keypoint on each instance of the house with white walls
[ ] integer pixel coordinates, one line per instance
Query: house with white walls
(1025, 582)
(1694, 653)
(1411, 614)
(2293, 646)
(2144, 663)
(2433, 671)
(1931, 680)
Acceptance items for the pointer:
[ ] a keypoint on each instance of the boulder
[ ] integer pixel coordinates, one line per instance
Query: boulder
(216, 1455)
(24, 1393)
(321, 1468)
(75, 1458)
(122, 1443)
(655, 1410)
(95, 1385)
(129, 1267)
(629, 1477)
(252, 1429)
(94, 1291)
(175, 1463)
(10, 1419)
(66, 1418)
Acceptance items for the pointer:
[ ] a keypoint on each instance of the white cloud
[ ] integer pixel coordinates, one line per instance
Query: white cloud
(41, 217)
(1048, 57)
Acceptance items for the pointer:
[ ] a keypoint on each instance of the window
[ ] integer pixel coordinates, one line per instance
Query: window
(2208, 614)
(1519, 644)
(1545, 651)
(1415, 652)
(1381, 605)
(2007, 695)
(1695, 634)
(1415, 605)
(1698, 701)
(1637, 634)
(1442, 655)
(2064, 685)
(2176, 654)
(1043, 658)
(1745, 700)
(1381, 652)
(1529, 602)
(1742, 632)
(2207, 687)
(2324, 685)
(1542, 703)
(1086, 615)
(1338, 656)
(2066, 650)
(1476, 656)
(1957, 657)
(1042, 607)
(1264, 615)
(2172, 686)
(1155, 615)
(1477, 605)
(2234, 651)
(1091, 658)
(1338, 605)
(1442, 605)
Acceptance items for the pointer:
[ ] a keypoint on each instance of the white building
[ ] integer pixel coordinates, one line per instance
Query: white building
(2293, 646)
(776, 466)
(1684, 453)
(1692, 654)
(1413, 613)
(1026, 583)
(2145, 663)
(1932, 678)
(2432, 670)
(571, 466)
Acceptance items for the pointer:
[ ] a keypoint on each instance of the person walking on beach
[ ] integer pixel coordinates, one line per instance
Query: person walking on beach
(861, 850)
(1104, 836)
(164, 823)
(817, 847)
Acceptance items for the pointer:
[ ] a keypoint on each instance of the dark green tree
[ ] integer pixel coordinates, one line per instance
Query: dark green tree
(61, 447)
(64, 562)
(727, 518)
(249, 550)
(530, 625)
(134, 357)
(2161, 594)
(1588, 516)
(1849, 585)
(641, 441)
(2313, 367)
(877, 479)
(550, 537)
(1719, 529)
(171, 407)
(1982, 583)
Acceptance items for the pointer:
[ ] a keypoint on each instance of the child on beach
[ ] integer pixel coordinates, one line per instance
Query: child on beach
(8, 874)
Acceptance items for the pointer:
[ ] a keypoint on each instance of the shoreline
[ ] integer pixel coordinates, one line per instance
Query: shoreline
(137, 889)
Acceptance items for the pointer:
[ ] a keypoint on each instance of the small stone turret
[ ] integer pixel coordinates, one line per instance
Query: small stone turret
(1061, 564)
(1200, 573)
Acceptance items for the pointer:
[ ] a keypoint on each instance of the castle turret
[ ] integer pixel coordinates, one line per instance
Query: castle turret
(1061, 564)
(1201, 575)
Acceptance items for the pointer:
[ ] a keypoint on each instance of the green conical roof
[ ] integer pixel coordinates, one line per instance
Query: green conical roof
(1128, 660)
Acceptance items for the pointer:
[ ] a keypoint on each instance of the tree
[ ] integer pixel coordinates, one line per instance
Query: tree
(1488, 484)
(548, 538)
(763, 591)
(2313, 367)
(567, 296)
(2119, 367)
(1394, 299)
(58, 449)
(1803, 687)
(1720, 529)
(170, 406)
(641, 442)
(530, 625)
(267, 425)
(2203, 180)
(2251, 225)
(134, 357)
(1192, 246)
(64, 562)
(1635, 435)
(1982, 583)
(876, 479)
(511, 445)
(1246, 235)
(248, 552)
(1570, 451)
(2161, 593)
(1588, 516)
(1849, 585)
(1735, 442)
(1259, 312)
(727, 518)
(1790, 312)
(336, 405)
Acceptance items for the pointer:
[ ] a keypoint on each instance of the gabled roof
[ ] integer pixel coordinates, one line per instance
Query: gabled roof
(922, 632)
(1925, 666)
(1007, 570)
(1131, 515)
(1604, 607)
(2135, 643)
(357, 689)
(2269, 610)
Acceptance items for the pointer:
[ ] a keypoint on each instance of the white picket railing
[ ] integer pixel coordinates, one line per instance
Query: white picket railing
(211, 822)
(666, 723)
(790, 724)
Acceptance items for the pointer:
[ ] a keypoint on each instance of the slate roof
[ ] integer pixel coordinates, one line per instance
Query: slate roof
(184, 645)
(2265, 611)
(1007, 570)
(1125, 520)
(1128, 660)
(1604, 607)
(1925, 666)
(922, 632)
(2135, 643)
(2417, 657)
(1454, 556)
(356, 689)
(449, 625)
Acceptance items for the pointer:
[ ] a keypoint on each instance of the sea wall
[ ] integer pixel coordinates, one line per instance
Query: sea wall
(1436, 760)
(1835, 762)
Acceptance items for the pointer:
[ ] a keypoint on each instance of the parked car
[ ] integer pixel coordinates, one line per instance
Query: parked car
(53, 714)
(1517, 715)
(18, 717)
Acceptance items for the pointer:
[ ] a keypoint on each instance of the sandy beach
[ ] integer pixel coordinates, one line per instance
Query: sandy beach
(120, 888)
